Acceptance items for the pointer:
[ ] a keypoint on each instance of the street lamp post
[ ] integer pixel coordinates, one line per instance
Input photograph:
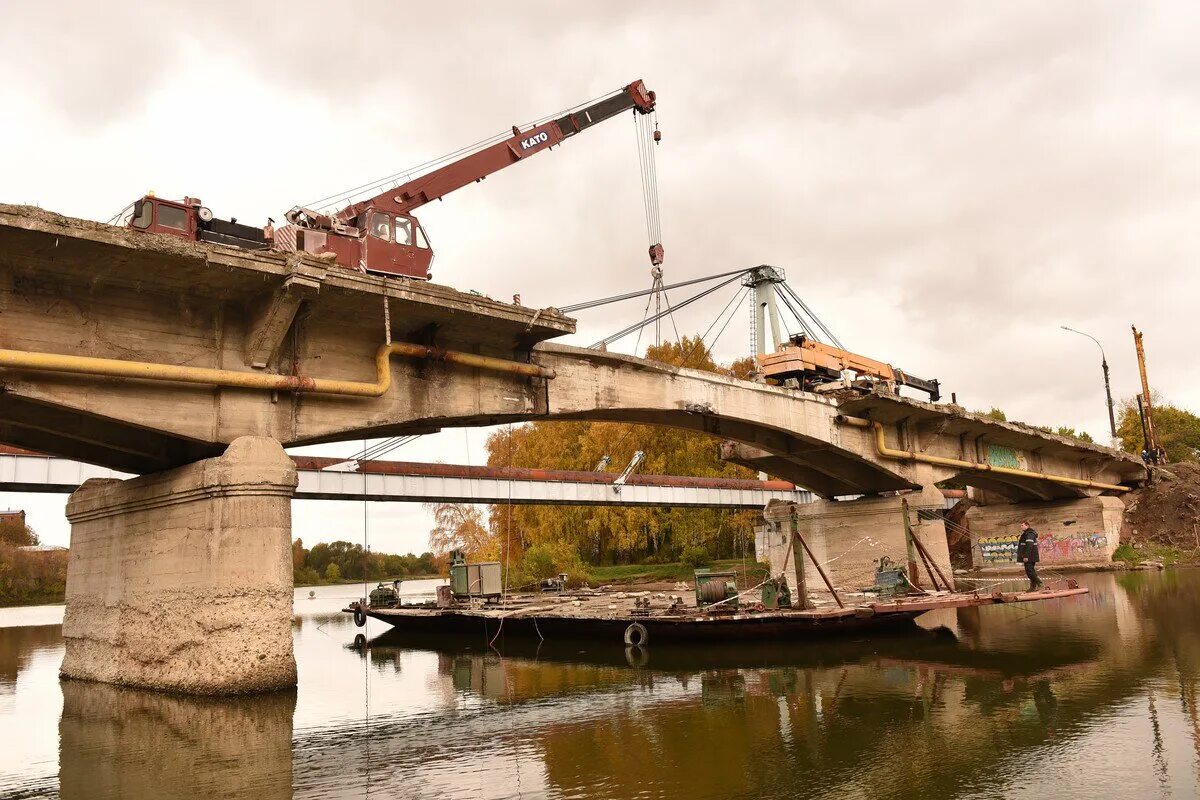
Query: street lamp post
(1112, 422)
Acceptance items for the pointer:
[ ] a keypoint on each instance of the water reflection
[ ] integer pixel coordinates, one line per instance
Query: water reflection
(1085, 697)
(117, 742)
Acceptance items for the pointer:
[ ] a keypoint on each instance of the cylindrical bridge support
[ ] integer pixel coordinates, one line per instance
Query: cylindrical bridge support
(182, 580)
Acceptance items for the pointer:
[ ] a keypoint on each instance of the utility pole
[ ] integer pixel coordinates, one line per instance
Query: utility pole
(1147, 404)
(1112, 421)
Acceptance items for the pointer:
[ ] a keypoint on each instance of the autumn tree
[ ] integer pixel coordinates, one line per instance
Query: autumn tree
(17, 533)
(603, 534)
(1177, 429)
(461, 526)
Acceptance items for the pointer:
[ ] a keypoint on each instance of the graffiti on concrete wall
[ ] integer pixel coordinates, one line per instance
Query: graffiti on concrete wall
(998, 549)
(1068, 547)
(1000, 456)
(1074, 547)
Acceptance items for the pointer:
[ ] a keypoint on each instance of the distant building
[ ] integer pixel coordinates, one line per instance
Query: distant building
(12, 516)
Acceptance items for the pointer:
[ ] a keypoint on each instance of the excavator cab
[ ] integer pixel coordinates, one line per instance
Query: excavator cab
(395, 244)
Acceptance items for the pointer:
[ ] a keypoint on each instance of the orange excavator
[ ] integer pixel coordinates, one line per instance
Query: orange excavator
(381, 234)
(811, 365)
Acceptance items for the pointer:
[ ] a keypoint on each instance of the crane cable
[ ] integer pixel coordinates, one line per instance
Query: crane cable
(382, 447)
(637, 325)
(645, 129)
(811, 315)
(616, 298)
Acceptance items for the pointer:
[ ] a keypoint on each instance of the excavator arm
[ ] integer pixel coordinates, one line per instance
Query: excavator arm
(478, 165)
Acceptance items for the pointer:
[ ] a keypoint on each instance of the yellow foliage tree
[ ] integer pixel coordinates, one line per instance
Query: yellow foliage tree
(606, 534)
(460, 526)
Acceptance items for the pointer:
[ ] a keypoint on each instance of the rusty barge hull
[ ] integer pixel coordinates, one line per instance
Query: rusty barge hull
(703, 628)
(554, 623)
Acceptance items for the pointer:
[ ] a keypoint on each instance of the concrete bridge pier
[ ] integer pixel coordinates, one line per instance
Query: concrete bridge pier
(1082, 531)
(848, 537)
(182, 580)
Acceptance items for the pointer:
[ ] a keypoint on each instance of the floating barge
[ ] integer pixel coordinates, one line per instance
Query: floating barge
(631, 616)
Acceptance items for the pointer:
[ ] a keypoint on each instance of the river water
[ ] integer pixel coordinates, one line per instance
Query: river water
(1089, 697)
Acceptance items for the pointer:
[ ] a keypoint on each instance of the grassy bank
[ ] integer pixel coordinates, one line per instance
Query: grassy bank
(1132, 555)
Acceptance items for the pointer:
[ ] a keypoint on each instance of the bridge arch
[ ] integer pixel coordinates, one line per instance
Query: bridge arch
(794, 430)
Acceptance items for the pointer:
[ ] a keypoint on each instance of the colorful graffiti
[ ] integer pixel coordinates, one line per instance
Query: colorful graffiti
(1051, 548)
(999, 456)
(998, 549)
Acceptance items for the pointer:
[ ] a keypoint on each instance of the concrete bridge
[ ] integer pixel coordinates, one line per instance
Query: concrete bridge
(191, 364)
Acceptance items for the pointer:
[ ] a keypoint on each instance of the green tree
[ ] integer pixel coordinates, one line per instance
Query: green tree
(332, 573)
(1177, 429)
(1082, 436)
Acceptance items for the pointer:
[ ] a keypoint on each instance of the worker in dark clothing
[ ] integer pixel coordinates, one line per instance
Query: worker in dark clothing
(1027, 554)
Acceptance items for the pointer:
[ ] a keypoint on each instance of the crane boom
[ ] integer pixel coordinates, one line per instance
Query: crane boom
(381, 234)
(478, 165)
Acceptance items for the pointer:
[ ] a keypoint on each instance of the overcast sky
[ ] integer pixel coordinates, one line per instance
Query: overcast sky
(946, 183)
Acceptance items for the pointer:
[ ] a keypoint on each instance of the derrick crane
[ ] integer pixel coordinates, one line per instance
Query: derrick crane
(381, 234)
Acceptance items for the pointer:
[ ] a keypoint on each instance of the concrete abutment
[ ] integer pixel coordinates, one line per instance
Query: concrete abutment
(1085, 531)
(182, 580)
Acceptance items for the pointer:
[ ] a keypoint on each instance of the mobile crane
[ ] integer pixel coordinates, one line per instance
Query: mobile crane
(381, 234)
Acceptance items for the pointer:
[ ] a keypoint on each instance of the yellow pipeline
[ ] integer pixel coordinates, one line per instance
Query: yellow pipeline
(113, 368)
(907, 455)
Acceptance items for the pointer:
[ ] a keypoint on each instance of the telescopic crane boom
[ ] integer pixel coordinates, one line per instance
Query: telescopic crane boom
(381, 234)
(478, 165)
(390, 239)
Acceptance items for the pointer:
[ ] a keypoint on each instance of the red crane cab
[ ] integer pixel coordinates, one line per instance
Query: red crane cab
(395, 244)
(386, 243)
(191, 220)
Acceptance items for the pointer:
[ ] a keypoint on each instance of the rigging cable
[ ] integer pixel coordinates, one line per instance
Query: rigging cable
(646, 313)
(382, 447)
(816, 320)
(804, 327)
(671, 314)
(616, 298)
(733, 303)
(626, 331)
